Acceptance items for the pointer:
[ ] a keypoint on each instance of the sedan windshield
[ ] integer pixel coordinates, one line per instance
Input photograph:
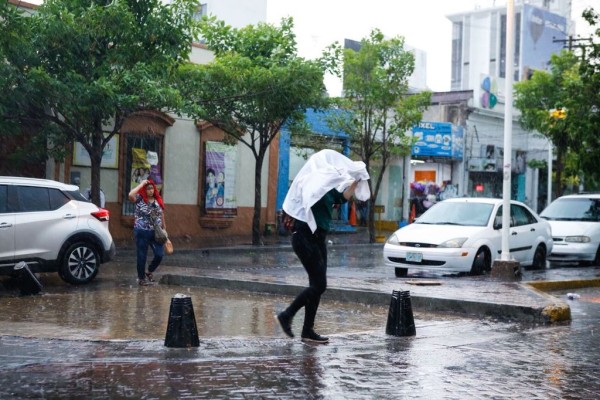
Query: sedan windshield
(573, 209)
(451, 213)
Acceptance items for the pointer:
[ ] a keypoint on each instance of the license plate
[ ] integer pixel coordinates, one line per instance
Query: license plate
(414, 257)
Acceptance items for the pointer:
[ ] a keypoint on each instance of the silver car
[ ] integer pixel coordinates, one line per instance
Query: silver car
(53, 228)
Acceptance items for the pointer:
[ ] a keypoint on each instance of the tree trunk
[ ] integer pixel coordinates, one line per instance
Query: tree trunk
(371, 221)
(558, 190)
(96, 160)
(256, 237)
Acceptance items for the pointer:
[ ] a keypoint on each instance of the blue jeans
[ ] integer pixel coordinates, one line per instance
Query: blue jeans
(143, 239)
(311, 249)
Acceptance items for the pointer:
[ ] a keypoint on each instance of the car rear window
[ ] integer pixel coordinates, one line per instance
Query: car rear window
(76, 195)
(57, 199)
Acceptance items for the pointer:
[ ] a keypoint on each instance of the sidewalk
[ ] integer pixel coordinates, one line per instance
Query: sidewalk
(265, 269)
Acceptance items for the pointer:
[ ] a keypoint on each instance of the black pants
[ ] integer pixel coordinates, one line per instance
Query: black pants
(311, 249)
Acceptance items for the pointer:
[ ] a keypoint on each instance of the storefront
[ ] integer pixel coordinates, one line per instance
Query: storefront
(437, 155)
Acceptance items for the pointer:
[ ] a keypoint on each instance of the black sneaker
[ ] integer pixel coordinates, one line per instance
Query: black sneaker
(310, 336)
(286, 324)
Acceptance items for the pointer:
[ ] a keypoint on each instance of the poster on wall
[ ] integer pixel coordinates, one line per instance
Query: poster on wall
(145, 165)
(110, 154)
(219, 183)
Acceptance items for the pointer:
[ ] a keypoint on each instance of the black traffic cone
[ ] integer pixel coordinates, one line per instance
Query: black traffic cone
(181, 328)
(26, 281)
(400, 316)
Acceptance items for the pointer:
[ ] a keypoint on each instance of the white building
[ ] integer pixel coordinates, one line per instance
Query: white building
(479, 64)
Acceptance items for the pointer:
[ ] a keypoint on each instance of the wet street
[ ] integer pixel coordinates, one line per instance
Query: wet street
(105, 340)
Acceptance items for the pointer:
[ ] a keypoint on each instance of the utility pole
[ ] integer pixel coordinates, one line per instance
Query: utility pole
(570, 43)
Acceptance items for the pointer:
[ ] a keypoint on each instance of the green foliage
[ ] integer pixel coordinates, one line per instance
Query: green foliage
(378, 109)
(589, 126)
(539, 164)
(254, 86)
(79, 68)
(573, 85)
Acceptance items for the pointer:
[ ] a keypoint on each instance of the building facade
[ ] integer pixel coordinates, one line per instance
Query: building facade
(479, 64)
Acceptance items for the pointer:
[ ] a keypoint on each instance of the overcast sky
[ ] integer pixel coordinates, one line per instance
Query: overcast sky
(423, 23)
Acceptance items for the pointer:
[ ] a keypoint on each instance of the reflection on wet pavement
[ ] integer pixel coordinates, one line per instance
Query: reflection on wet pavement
(114, 307)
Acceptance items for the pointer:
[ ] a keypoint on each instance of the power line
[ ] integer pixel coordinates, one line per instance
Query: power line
(570, 42)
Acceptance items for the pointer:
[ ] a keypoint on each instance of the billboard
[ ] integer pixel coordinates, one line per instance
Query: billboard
(437, 139)
(543, 34)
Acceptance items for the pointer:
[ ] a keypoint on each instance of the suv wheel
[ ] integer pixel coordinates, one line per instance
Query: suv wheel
(80, 263)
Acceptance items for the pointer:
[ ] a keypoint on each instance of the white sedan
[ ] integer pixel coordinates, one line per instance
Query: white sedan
(465, 235)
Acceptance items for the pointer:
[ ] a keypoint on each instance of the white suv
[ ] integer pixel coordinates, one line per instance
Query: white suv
(53, 228)
(575, 222)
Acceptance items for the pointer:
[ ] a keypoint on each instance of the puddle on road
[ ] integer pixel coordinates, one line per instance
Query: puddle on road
(112, 308)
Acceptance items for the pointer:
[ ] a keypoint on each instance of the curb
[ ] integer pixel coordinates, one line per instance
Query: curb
(547, 286)
(553, 310)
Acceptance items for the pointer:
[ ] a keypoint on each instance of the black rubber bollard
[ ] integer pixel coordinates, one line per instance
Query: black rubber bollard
(400, 316)
(26, 281)
(181, 328)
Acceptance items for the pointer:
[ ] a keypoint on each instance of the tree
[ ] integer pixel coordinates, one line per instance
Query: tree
(589, 126)
(563, 105)
(549, 103)
(255, 85)
(90, 64)
(377, 109)
(21, 151)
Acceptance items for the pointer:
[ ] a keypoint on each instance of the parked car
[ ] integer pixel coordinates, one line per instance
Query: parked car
(575, 221)
(465, 235)
(53, 228)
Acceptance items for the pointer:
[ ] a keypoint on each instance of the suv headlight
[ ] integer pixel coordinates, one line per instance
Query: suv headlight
(453, 243)
(578, 239)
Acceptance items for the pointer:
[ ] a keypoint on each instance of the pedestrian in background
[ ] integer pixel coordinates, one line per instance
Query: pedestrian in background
(88, 195)
(327, 178)
(149, 210)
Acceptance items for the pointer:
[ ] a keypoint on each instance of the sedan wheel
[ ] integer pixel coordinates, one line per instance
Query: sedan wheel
(539, 258)
(80, 263)
(482, 264)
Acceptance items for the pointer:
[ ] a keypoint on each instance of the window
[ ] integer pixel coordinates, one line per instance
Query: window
(521, 215)
(57, 199)
(33, 199)
(457, 33)
(201, 11)
(142, 160)
(3, 199)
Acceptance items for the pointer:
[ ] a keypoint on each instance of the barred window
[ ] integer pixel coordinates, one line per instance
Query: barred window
(139, 166)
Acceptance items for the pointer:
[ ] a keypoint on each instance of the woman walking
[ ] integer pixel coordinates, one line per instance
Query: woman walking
(149, 210)
(329, 178)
